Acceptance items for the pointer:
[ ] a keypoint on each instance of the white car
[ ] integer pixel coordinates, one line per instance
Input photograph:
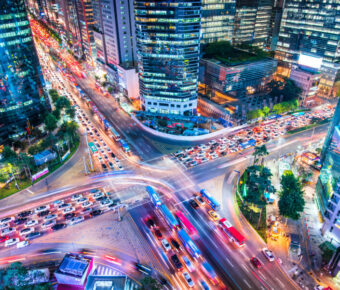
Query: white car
(82, 200)
(188, 279)
(64, 205)
(6, 220)
(166, 245)
(76, 220)
(23, 244)
(58, 202)
(106, 202)
(48, 224)
(120, 167)
(31, 223)
(187, 263)
(75, 197)
(68, 210)
(98, 195)
(11, 242)
(4, 226)
(268, 254)
(41, 208)
(26, 231)
(86, 204)
(7, 231)
(50, 217)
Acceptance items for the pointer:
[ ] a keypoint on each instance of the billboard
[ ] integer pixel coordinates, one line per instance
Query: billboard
(310, 61)
(39, 174)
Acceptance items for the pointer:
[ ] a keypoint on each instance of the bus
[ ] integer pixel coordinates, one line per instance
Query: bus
(232, 234)
(115, 134)
(124, 145)
(212, 202)
(153, 196)
(185, 223)
(144, 269)
(189, 244)
(209, 272)
(169, 218)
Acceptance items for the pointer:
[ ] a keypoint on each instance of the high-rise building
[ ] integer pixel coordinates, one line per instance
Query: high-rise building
(252, 22)
(116, 43)
(275, 22)
(328, 185)
(311, 27)
(21, 83)
(168, 48)
(217, 20)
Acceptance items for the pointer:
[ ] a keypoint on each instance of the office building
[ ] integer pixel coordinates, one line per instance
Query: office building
(311, 28)
(168, 48)
(328, 185)
(275, 22)
(252, 22)
(21, 83)
(116, 43)
(217, 20)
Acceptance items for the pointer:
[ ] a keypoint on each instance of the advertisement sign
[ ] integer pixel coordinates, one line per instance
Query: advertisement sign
(65, 155)
(39, 174)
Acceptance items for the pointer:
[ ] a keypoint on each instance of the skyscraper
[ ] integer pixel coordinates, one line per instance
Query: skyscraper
(168, 47)
(252, 22)
(328, 185)
(217, 20)
(21, 82)
(311, 27)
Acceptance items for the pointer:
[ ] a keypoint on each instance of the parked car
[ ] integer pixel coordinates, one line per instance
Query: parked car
(11, 242)
(166, 245)
(178, 265)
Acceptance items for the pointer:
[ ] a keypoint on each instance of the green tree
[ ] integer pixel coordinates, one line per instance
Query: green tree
(255, 114)
(110, 90)
(259, 153)
(8, 154)
(149, 283)
(291, 91)
(34, 149)
(291, 202)
(69, 131)
(50, 122)
(266, 111)
(56, 113)
(71, 112)
(62, 102)
(36, 132)
(54, 95)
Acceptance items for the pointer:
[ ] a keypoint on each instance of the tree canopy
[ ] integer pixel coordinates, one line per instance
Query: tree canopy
(149, 283)
(50, 122)
(62, 102)
(288, 89)
(255, 114)
(291, 202)
(259, 153)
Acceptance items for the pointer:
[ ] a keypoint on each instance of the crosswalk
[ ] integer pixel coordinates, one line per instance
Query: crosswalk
(106, 271)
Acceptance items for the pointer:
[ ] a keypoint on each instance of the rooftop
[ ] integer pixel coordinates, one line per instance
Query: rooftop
(74, 265)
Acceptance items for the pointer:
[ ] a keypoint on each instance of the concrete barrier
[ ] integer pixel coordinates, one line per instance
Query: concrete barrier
(200, 138)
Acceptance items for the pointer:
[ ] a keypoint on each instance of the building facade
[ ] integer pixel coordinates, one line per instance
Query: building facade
(22, 101)
(217, 20)
(168, 49)
(328, 185)
(252, 22)
(311, 27)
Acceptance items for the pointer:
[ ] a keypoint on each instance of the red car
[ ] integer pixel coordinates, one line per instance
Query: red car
(3, 239)
(256, 262)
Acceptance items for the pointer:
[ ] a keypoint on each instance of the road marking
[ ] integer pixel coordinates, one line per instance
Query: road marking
(30, 191)
(280, 282)
(229, 262)
(231, 177)
(245, 281)
(236, 161)
(245, 268)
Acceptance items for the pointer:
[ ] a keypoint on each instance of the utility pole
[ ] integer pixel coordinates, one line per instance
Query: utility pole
(88, 150)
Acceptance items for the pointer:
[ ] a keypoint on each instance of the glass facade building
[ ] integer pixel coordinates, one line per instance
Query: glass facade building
(21, 81)
(311, 27)
(168, 48)
(217, 20)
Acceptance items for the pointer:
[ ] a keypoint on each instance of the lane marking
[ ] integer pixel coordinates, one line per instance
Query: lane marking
(30, 191)
(229, 261)
(245, 268)
(246, 282)
(280, 282)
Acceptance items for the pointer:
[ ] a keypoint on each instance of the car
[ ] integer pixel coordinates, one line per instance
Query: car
(188, 264)
(43, 213)
(6, 220)
(50, 217)
(26, 231)
(214, 215)
(68, 210)
(194, 204)
(105, 157)
(204, 285)
(58, 227)
(158, 234)
(58, 202)
(86, 204)
(86, 211)
(100, 159)
(116, 159)
(75, 197)
(166, 245)
(23, 244)
(96, 212)
(41, 208)
(106, 202)
(111, 165)
(82, 200)
(31, 223)
(48, 224)
(4, 226)
(200, 200)
(34, 235)
(7, 231)
(268, 254)
(25, 214)
(11, 242)
(188, 279)
(177, 263)
(76, 220)
(64, 205)
(68, 216)
(175, 244)
(150, 223)
(104, 166)
(98, 195)
(3, 239)
(112, 155)
(120, 167)
(256, 262)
